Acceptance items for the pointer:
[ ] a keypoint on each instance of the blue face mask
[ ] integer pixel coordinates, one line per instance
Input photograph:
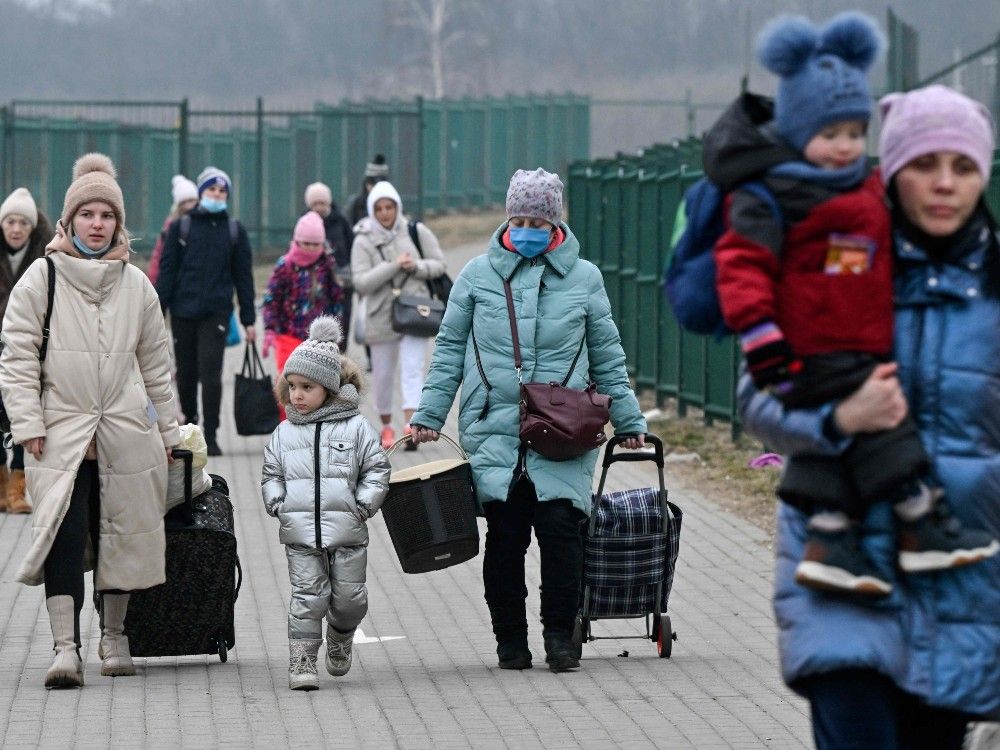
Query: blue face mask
(213, 205)
(530, 242)
(86, 251)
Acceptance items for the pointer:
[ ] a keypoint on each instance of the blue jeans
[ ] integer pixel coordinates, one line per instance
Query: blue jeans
(860, 709)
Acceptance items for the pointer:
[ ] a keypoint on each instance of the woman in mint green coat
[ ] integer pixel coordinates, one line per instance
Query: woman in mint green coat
(559, 300)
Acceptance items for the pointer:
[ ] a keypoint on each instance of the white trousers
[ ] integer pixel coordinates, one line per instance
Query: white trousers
(408, 355)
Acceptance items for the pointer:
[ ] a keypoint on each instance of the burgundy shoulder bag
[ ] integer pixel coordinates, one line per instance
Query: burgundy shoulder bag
(557, 422)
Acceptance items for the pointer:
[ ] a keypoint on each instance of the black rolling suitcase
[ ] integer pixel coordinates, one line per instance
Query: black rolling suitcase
(192, 613)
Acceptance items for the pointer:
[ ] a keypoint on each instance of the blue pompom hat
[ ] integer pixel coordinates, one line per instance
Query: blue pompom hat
(823, 72)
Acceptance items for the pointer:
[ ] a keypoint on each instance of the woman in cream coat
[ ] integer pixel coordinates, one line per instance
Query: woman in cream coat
(96, 419)
(384, 260)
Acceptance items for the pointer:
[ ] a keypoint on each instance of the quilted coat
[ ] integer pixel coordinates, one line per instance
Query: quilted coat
(354, 480)
(559, 299)
(375, 273)
(106, 378)
(938, 635)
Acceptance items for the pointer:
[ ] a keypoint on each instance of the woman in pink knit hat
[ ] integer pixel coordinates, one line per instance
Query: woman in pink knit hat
(302, 287)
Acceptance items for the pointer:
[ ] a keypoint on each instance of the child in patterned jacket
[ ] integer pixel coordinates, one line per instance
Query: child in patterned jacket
(302, 288)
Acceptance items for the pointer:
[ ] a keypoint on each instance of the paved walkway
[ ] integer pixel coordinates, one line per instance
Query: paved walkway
(435, 684)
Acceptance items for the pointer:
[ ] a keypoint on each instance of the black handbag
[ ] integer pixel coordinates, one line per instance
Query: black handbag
(415, 315)
(42, 350)
(439, 288)
(254, 406)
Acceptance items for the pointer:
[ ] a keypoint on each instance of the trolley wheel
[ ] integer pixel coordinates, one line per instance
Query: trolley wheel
(220, 641)
(664, 637)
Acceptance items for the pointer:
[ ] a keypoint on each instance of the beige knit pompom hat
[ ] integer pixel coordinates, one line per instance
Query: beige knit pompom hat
(93, 180)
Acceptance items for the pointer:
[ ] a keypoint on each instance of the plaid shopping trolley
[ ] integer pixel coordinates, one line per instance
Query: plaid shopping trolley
(630, 553)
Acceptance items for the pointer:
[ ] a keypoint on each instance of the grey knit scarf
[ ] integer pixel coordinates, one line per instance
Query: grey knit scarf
(343, 405)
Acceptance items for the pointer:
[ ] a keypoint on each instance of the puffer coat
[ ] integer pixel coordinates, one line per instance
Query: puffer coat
(375, 274)
(559, 299)
(352, 481)
(938, 635)
(106, 378)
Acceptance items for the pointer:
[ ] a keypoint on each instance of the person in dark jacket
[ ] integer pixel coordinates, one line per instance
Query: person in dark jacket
(357, 205)
(25, 233)
(339, 237)
(910, 671)
(198, 274)
(810, 294)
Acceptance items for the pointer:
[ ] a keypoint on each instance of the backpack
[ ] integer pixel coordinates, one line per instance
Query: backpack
(689, 279)
(439, 288)
(185, 230)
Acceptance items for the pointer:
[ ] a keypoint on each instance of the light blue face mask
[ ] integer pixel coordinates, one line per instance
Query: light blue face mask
(213, 205)
(87, 252)
(530, 242)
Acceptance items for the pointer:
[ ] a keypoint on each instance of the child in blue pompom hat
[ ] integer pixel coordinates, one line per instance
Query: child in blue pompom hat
(806, 282)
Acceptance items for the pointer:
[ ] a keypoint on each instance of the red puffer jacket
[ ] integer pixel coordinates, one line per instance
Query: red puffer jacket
(786, 276)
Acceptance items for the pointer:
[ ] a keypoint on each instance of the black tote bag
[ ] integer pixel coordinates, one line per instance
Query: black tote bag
(254, 407)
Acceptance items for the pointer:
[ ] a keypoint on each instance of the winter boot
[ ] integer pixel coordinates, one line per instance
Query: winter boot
(560, 653)
(117, 662)
(339, 647)
(212, 445)
(16, 502)
(939, 541)
(514, 654)
(67, 668)
(302, 663)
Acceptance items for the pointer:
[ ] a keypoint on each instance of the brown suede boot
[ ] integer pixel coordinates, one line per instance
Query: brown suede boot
(16, 502)
(4, 477)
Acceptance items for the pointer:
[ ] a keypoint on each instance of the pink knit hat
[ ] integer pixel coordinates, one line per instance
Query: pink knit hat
(310, 228)
(934, 118)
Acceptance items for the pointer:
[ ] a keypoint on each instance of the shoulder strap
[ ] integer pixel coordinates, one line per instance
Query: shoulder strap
(184, 230)
(414, 235)
(48, 309)
(517, 341)
(513, 327)
(760, 190)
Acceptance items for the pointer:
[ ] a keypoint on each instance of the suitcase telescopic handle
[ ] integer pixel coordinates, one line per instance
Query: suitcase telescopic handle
(656, 456)
(188, 458)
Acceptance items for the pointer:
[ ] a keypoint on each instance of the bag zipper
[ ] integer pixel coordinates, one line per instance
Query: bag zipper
(482, 376)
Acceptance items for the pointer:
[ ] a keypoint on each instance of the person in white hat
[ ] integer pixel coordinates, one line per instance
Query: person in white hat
(185, 197)
(25, 233)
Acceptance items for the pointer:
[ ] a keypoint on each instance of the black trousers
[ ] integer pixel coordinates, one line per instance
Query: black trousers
(877, 466)
(558, 529)
(199, 344)
(860, 709)
(64, 564)
(17, 462)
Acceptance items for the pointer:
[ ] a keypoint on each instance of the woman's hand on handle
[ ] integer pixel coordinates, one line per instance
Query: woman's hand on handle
(420, 434)
(35, 446)
(251, 334)
(634, 442)
(879, 404)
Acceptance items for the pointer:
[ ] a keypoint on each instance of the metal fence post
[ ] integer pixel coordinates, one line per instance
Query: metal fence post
(260, 173)
(183, 132)
(5, 151)
(420, 157)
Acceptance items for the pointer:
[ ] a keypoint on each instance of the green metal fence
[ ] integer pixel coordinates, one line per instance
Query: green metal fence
(443, 155)
(623, 211)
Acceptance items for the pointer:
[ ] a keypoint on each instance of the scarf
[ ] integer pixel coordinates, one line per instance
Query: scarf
(302, 258)
(835, 179)
(343, 405)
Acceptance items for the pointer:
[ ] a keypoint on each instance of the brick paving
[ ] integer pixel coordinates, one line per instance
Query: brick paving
(437, 686)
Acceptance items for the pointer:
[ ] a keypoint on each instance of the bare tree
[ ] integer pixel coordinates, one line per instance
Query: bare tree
(444, 24)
